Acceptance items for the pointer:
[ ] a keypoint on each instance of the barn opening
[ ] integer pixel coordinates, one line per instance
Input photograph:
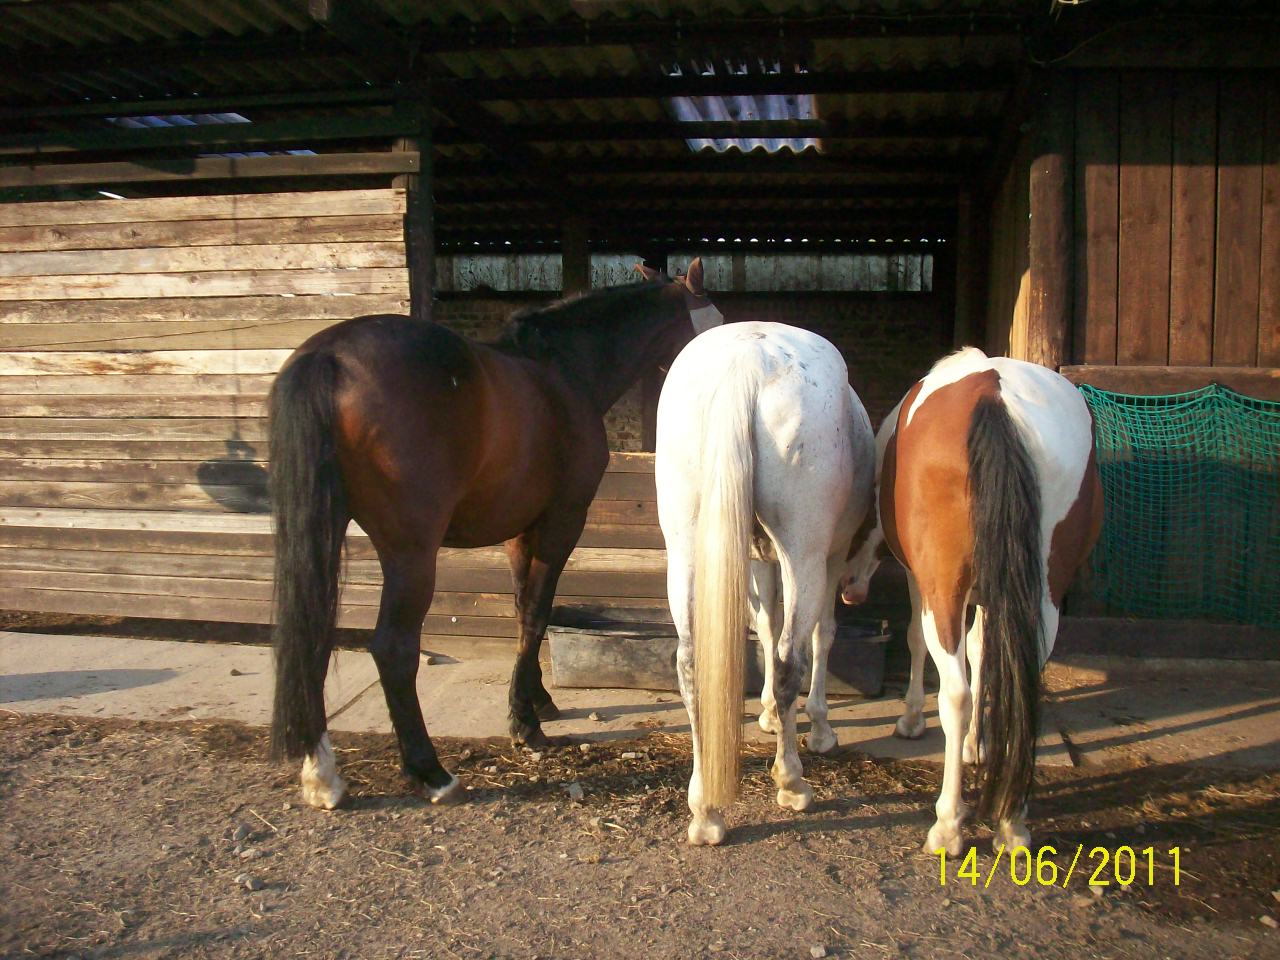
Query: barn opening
(1086, 187)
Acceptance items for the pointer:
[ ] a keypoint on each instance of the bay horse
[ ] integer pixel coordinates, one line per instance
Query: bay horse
(764, 467)
(989, 495)
(427, 439)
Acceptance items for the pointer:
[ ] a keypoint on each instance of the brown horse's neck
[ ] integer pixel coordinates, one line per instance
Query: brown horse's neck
(604, 342)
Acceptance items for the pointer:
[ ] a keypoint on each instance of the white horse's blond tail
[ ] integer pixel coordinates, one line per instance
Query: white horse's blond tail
(721, 560)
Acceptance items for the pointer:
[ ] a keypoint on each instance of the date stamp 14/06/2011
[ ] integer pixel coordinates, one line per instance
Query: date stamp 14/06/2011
(1040, 867)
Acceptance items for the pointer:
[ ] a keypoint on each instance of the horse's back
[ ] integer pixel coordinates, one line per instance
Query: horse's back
(811, 439)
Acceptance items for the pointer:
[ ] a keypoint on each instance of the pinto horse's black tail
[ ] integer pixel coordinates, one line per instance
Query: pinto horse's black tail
(1009, 577)
(310, 522)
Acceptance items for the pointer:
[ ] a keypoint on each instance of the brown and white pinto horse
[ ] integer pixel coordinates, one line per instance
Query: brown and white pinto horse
(427, 440)
(989, 495)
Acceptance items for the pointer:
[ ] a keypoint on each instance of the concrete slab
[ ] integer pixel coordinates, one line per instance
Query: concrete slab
(461, 697)
(154, 679)
(1195, 712)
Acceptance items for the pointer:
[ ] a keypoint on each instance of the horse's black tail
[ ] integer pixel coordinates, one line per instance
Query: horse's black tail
(1005, 505)
(310, 523)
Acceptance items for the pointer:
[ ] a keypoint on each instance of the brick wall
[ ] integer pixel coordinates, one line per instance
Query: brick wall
(889, 340)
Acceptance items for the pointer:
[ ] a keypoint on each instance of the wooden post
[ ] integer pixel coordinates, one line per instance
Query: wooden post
(575, 253)
(964, 263)
(419, 218)
(1051, 282)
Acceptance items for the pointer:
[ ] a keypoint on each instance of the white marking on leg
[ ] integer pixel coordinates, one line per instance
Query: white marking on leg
(953, 709)
(973, 749)
(793, 792)
(451, 792)
(321, 785)
(768, 616)
(821, 738)
(911, 724)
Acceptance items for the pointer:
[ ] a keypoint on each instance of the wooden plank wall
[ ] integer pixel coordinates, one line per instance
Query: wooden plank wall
(1177, 218)
(140, 339)
(1009, 266)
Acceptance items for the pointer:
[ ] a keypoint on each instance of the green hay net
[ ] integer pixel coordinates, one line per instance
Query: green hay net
(1192, 487)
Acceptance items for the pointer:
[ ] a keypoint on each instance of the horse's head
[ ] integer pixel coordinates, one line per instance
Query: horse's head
(866, 553)
(697, 313)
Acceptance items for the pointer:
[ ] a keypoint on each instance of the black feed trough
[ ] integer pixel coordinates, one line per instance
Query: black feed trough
(631, 649)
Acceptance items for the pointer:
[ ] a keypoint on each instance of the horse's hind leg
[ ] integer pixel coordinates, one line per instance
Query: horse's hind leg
(803, 588)
(911, 724)
(707, 826)
(821, 738)
(408, 585)
(943, 627)
(973, 749)
(764, 596)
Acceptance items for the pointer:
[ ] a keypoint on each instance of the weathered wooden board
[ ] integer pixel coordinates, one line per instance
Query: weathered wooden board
(1260, 382)
(129, 385)
(1269, 277)
(249, 333)
(203, 233)
(176, 405)
(250, 429)
(208, 284)
(234, 309)
(1146, 146)
(1097, 226)
(1239, 241)
(244, 257)
(1195, 118)
(98, 362)
(247, 206)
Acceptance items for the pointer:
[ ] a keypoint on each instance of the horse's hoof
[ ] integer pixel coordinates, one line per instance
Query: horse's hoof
(325, 796)
(769, 722)
(973, 753)
(821, 740)
(528, 735)
(946, 838)
(1012, 836)
(909, 729)
(451, 793)
(709, 832)
(797, 800)
(547, 712)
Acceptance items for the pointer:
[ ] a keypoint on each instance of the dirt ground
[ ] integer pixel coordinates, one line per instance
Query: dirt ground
(130, 839)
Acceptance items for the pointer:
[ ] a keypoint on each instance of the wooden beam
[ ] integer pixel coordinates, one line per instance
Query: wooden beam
(942, 168)
(382, 52)
(1049, 303)
(458, 194)
(688, 33)
(208, 168)
(211, 135)
(1261, 382)
(212, 103)
(967, 79)
(419, 222)
(575, 254)
(924, 128)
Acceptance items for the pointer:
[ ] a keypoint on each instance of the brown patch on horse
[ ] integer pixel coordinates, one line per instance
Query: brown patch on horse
(928, 522)
(1077, 532)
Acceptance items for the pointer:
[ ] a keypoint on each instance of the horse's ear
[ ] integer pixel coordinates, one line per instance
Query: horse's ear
(693, 279)
(648, 272)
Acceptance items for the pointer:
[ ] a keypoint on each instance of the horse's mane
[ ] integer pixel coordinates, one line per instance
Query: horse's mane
(538, 331)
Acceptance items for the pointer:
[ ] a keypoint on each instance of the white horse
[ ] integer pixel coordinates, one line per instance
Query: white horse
(765, 460)
(989, 495)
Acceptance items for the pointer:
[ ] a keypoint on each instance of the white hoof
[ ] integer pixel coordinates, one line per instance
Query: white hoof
(322, 786)
(821, 739)
(944, 837)
(769, 721)
(451, 792)
(708, 831)
(1012, 836)
(909, 728)
(973, 752)
(798, 800)
(325, 796)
